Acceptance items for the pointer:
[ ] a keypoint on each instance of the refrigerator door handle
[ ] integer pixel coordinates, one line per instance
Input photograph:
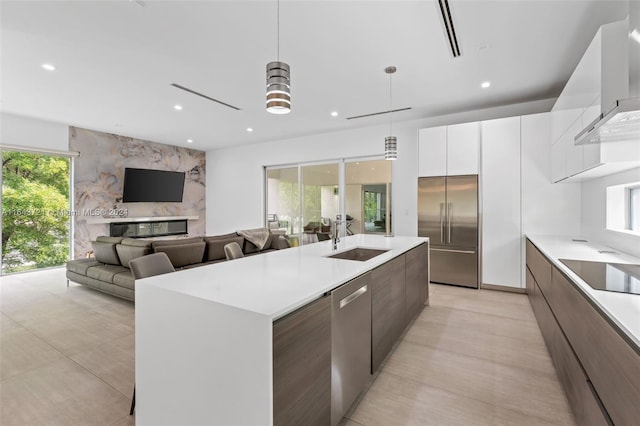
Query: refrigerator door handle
(449, 207)
(441, 223)
(453, 251)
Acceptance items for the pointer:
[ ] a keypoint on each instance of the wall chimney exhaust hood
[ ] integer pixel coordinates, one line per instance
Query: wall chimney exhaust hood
(621, 123)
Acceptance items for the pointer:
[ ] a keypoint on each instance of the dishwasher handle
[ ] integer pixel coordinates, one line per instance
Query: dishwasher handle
(353, 296)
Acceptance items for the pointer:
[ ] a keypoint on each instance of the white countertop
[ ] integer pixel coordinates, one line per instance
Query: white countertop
(276, 283)
(622, 308)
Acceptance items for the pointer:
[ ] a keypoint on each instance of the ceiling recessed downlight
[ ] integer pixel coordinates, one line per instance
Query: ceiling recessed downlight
(48, 67)
(189, 140)
(249, 129)
(177, 107)
(334, 113)
(485, 84)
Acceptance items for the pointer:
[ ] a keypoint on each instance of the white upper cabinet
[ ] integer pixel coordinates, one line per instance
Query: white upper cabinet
(463, 141)
(449, 150)
(432, 151)
(501, 218)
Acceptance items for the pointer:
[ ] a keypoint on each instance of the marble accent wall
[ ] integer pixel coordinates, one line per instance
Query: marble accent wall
(98, 180)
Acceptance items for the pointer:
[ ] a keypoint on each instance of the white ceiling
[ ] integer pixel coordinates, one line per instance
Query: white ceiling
(116, 60)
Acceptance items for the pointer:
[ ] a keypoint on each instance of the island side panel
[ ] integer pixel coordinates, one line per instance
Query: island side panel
(199, 362)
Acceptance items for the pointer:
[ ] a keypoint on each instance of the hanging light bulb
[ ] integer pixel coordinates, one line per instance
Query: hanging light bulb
(390, 142)
(278, 82)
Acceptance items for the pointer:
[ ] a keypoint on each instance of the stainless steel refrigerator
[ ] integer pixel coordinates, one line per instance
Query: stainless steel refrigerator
(448, 215)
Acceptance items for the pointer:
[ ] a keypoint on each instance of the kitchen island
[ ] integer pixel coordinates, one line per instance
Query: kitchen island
(205, 336)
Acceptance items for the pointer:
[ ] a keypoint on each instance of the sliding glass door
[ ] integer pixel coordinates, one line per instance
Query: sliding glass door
(368, 195)
(35, 211)
(305, 200)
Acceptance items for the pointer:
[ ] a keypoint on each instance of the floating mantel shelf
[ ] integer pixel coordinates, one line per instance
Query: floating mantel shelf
(97, 220)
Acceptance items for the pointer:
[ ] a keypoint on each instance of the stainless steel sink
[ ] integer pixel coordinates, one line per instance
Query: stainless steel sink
(360, 254)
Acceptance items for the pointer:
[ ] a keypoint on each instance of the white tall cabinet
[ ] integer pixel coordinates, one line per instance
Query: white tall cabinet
(501, 213)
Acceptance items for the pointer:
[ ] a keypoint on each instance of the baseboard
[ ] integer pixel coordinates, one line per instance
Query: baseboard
(503, 288)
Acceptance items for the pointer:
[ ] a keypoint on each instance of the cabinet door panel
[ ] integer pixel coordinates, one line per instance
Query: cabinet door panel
(388, 308)
(463, 148)
(558, 162)
(575, 153)
(432, 151)
(417, 279)
(608, 360)
(501, 228)
(540, 268)
(302, 366)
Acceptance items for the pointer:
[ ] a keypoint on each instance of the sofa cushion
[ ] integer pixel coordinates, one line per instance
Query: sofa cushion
(124, 279)
(105, 239)
(105, 272)
(105, 252)
(176, 241)
(80, 266)
(249, 247)
(183, 254)
(280, 242)
(215, 247)
(126, 253)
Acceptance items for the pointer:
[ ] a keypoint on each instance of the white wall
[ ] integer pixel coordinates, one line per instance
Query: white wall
(31, 133)
(235, 188)
(594, 212)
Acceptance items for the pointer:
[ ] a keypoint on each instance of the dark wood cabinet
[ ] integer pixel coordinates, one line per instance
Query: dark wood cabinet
(596, 365)
(539, 266)
(388, 308)
(417, 279)
(608, 360)
(302, 366)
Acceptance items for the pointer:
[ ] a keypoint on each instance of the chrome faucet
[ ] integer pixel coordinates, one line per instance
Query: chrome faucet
(336, 233)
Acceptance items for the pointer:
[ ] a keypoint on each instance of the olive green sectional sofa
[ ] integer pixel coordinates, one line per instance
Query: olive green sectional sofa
(108, 270)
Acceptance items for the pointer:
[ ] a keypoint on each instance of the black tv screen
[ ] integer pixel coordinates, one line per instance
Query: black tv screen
(145, 185)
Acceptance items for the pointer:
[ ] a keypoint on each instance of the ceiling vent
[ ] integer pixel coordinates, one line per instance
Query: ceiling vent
(378, 113)
(447, 25)
(186, 89)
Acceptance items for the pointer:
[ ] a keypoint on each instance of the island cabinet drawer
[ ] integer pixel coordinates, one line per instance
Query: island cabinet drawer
(417, 279)
(609, 361)
(388, 308)
(540, 268)
(302, 366)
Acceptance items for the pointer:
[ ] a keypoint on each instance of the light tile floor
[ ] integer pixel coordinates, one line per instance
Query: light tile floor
(471, 358)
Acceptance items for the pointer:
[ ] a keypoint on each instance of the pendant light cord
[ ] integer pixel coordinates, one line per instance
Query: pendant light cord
(278, 21)
(390, 108)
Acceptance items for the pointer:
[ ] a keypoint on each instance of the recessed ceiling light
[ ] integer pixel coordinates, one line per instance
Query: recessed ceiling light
(485, 84)
(48, 67)
(249, 129)
(177, 107)
(189, 140)
(334, 113)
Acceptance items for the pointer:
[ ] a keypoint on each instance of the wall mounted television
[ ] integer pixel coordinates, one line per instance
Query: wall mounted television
(146, 185)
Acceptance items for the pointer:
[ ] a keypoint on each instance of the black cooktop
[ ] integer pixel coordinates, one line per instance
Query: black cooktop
(618, 277)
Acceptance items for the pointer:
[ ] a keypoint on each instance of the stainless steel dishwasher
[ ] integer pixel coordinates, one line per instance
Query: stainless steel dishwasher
(350, 343)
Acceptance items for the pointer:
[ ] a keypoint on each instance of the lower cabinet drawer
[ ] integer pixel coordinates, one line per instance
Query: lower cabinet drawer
(608, 360)
(584, 403)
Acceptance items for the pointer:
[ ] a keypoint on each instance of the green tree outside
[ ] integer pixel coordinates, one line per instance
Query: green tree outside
(35, 211)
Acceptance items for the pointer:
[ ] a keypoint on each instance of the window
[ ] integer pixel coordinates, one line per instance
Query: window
(623, 208)
(304, 200)
(35, 211)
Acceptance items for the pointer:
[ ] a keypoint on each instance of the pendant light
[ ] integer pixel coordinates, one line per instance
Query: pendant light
(278, 82)
(390, 142)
